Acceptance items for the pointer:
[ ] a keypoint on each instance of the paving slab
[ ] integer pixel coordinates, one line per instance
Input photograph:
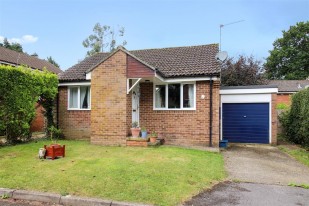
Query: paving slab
(5, 191)
(81, 201)
(44, 198)
(115, 203)
(36, 196)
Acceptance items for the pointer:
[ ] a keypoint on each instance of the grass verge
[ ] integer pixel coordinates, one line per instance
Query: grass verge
(298, 153)
(160, 176)
(305, 186)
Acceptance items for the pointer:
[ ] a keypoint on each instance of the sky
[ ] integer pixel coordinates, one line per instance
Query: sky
(57, 27)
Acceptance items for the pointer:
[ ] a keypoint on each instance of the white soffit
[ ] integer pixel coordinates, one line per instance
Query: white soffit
(249, 91)
(74, 84)
(88, 76)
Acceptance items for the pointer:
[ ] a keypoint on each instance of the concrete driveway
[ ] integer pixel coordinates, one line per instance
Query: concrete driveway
(251, 194)
(261, 174)
(263, 164)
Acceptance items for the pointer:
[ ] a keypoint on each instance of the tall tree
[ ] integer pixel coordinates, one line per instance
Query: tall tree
(241, 72)
(13, 46)
(102, 37)
(289, 58)
(52, 61)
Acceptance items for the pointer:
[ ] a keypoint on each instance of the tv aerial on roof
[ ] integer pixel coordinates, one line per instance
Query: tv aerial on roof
(221, 56)
(223, 25)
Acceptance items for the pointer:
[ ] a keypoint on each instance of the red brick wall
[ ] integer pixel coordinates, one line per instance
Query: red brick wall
(129, 113)
(109, 101)
(274, 119)
(75, 124)
(38, 124)
(284, 98)
(187, 128)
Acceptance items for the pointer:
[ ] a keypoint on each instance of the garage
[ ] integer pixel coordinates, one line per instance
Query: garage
(246, 114)
(246, 122)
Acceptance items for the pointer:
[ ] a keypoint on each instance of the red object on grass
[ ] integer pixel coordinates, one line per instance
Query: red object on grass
(54, 150)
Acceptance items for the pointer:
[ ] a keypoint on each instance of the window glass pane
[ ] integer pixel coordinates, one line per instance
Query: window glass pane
(173, 96)
(85, 97)
(188, 95)
(73, 97)
(160, 96)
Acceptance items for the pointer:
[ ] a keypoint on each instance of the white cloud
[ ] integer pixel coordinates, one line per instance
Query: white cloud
(25, 39)
(29, 39)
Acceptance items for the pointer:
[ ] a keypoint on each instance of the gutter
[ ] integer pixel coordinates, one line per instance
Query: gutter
(57, 114)
(210, 112)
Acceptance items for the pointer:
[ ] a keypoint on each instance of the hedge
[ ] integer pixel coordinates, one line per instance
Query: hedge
(20, 89)
(296, 120)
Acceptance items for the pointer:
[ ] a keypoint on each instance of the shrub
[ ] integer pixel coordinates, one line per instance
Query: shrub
(20, 89)
(295, 121)
(282, 106)
(55, 134)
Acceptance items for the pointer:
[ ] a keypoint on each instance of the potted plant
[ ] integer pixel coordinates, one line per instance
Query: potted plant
(54, 150)
(54, 134)
(144, 132)
(135, 130)
(153, 137)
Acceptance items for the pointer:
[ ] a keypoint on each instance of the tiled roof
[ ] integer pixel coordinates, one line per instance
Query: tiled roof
(8, 56)
(78, 71)
(170, 62)
(289, 85)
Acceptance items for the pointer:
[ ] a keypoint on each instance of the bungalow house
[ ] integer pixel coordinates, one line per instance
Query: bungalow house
(173, 91)
(13, 58)
(288, 87)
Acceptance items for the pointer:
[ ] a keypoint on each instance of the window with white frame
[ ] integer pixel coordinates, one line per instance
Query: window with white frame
(174, 96)
(79, 97)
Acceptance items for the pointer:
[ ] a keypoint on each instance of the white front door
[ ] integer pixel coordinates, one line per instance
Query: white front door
(135, 104)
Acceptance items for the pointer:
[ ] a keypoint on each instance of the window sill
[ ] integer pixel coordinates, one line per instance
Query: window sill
(158, 109)
(70, 109)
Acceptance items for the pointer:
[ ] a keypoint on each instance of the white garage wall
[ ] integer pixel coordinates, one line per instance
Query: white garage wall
(247, 96)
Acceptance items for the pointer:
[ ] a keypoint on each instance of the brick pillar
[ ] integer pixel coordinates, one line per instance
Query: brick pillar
(109, 101)
(215, 113)
(274, 119)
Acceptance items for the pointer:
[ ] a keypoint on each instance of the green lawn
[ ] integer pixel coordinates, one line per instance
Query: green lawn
(298, 153)
(161, 176)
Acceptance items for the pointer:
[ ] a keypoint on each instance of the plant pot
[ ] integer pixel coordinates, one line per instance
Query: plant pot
(135, 132)
(54, 150)
(144, 134)
(153, 139)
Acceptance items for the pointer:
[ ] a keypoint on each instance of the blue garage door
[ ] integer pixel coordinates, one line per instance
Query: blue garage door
(245, 122)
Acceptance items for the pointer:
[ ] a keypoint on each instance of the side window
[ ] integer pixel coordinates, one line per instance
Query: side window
(79, 97)
(73, 99)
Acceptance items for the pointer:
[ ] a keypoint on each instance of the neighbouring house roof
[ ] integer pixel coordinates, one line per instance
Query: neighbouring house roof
(289, 85)
(11, 57)
(170, 62)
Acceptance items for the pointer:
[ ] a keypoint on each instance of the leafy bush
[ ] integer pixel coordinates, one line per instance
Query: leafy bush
(296, 120)
(282, 106)
(20, 89)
